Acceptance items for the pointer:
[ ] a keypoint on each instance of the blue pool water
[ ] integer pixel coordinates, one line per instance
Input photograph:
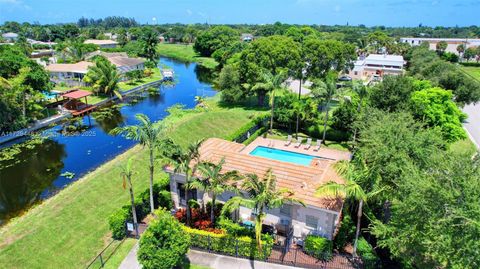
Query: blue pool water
(282, 155)
(49, 95)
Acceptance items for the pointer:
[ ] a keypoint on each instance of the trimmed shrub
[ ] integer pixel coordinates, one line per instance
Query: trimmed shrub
(247, 127)
(234, 228)
(236, 246)
(316, 130)
(116, 222)
(164, 244)
(255, 135)
(473, 64)
(367, 253)
(318, 247)
(346, 232)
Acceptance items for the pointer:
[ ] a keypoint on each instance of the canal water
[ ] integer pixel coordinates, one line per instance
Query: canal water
(42, 169)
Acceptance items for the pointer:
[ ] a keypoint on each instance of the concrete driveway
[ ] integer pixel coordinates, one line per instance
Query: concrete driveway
(472, 125)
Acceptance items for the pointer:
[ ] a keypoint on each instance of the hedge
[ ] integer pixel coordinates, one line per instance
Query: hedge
(255, 135)
(243, 246)
(367, 253)
(162, 199)
(318, 247)
(332, 135)
(472, 64)
(256, 121)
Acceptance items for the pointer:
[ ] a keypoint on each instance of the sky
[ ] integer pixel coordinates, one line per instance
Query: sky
(327, 12)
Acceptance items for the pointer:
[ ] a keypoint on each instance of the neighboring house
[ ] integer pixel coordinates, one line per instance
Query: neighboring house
(70, 74)
(376, 66)
(36, 42)
(104, 54)
(105, 44)
(10, 37)
(246, 37)
(320, 216)
(452, 43)
(111, 36)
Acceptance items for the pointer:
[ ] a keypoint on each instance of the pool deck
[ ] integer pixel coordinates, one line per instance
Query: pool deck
(323, 153)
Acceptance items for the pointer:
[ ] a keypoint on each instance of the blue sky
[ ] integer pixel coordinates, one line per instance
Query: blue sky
(368, 12)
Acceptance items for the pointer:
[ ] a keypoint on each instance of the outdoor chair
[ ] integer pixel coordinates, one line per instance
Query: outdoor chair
(299, 142)
(309, 143)
(289, 140)
(318, 145)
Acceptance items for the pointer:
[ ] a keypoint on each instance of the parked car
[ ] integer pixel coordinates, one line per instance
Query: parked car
(345, 78)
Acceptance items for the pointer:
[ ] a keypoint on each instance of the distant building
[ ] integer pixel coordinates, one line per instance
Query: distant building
(376, 66)
(111, 36)
(36, 42)
(452, 43)
(127, 64)
(10, 37)
(246, 37)
(105, 44)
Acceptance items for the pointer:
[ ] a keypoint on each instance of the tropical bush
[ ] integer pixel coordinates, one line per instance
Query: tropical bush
(233, 228)
(318, 247)
(239, 133)
(346, 232)
(243, 246)
(164, 244)
(367, 253)
(332, 135)
(162, 199)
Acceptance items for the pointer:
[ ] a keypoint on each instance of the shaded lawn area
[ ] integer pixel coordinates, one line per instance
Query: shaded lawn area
(185, 53)
(283, 135)
(70, 229)
(128, 85)
(473, 71)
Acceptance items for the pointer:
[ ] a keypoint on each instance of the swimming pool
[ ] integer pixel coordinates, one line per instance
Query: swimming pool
(282, 155)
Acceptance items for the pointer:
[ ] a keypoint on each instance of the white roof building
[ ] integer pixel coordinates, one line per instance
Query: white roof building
(377, 65)
(452, 43)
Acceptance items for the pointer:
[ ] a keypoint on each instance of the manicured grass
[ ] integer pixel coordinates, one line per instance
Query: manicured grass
(116, 259)
(464, 146)
(127, 85)
(473, 71)
(70, 229)
(185, 53)
(282, 135)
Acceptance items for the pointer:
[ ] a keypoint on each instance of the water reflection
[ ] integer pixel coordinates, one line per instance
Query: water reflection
(26, 180)
(204, 74)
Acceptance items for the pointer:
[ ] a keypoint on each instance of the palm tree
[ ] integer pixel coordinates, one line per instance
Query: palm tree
(186, 162)
(214, 182)
(149, 40)
(327, 91)
(262, 194)
(362, 92)
(299, 108)
(351, 189)
(127, 174)
(104, 77)
(148, 134)
(270, 83)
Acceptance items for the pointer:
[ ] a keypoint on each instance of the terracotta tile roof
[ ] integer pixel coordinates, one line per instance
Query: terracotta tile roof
(302, 180)
(76, 94)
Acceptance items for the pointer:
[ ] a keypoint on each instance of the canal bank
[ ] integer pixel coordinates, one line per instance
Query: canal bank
(38, 171)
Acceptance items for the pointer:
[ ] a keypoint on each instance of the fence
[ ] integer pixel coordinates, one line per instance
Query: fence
(105, 254)
(290, 255)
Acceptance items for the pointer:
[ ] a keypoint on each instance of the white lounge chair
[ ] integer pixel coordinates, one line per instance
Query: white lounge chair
(289, 140)
(299, 142)
(318, 145)
(309, 143)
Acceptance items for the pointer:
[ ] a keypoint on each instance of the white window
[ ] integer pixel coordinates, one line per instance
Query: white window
(286, 210)
(311, 221)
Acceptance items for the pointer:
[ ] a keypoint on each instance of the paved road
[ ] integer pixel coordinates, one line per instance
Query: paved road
(473, 122)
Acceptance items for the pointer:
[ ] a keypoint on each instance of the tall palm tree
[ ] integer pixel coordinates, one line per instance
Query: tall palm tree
(149, 39)
(327, 91)
(262, 194)
(299, 108)
(351, 189)
(104, 77)
(148, 134)
(127, 173)
(186, 162)
(214, 182)
(362, 92)
(271, 83)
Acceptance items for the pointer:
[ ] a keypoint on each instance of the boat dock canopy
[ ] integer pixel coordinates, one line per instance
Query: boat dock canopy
(77, 94)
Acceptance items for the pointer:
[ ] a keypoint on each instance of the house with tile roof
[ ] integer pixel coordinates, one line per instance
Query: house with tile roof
(319, 216)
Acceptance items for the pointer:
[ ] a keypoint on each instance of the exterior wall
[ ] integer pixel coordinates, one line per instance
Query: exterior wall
(452, 43)
(69, 78)
(326, 220)
(367, 72)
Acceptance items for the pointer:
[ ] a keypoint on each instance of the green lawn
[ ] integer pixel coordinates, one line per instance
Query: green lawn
(473, 71)
(185, 53)
(70, 229)
(127, 85)
(282, 135)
